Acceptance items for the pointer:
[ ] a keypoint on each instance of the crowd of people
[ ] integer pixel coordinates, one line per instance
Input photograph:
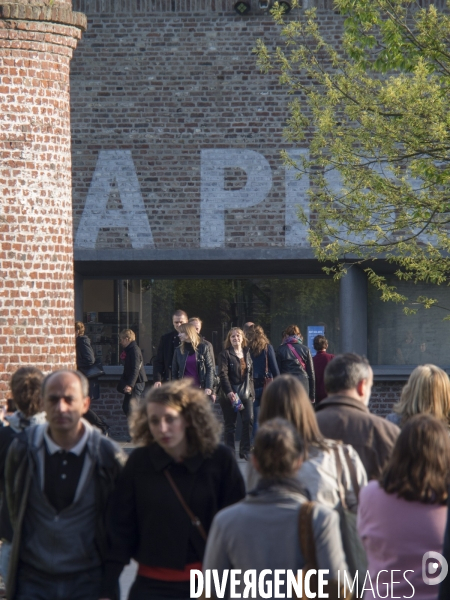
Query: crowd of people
(328, 485)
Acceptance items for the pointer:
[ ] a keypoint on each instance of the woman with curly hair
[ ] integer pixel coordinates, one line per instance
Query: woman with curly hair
(427, 391)
(172, 486)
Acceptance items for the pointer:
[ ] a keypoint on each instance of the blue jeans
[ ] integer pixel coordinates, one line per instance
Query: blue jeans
(35, 585)
(256, 406)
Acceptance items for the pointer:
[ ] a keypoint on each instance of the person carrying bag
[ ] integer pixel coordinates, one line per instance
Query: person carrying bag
(351, 542)
(238, 394)
(132, 382)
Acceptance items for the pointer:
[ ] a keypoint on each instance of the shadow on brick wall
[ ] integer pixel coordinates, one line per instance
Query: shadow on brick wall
(109, 406)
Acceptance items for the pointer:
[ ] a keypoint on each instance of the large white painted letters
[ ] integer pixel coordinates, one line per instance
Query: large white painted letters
(118, 166)
(215, 199)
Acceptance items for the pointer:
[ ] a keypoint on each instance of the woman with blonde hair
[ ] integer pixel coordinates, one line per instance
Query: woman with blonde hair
(192, 359)
(426, 392)
(172, 486)
(236, 379)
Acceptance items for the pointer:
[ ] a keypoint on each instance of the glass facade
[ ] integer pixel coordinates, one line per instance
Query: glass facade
(398, 339)
(146, 307)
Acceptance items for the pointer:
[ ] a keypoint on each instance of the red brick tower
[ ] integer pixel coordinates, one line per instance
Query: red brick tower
(37, 39)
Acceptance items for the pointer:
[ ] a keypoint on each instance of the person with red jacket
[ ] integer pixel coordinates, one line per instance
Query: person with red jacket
(320, 361)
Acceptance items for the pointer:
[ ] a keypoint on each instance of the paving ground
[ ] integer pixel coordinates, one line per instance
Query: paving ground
(129, 573)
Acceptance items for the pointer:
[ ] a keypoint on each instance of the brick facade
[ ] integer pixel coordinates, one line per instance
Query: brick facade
(36, 257)
(176, 140)
(172, 87)
(109, 405)
(168, 111)
(384, 395)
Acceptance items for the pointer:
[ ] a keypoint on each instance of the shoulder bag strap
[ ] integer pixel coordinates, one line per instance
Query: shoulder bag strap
(353, 476)
(339, 476)
(194, 520)
(306, 535)
(298, 357)
(267, 360)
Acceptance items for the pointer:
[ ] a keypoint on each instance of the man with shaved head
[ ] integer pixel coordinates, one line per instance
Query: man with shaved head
(59, 476)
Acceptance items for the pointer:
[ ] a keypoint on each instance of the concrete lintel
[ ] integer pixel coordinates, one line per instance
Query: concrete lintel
(187, 254)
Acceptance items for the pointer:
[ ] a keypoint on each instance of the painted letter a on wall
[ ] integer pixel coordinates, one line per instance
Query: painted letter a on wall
(114, 166)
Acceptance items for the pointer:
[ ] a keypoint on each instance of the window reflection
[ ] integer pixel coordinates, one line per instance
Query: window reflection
(146, 307)
(399, 339)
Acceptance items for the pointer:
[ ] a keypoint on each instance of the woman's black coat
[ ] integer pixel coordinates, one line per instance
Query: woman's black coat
(205, 365)
(133, 369)
(85, 353)
(230, 369)
(146, 519)
(288, 363)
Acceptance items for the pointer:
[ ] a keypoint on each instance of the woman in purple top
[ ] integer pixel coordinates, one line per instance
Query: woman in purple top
(402, 517)
(192, 359)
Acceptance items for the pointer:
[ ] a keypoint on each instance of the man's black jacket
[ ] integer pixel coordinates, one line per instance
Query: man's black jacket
(162, 363)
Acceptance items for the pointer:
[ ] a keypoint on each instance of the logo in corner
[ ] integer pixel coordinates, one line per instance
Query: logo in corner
(431, 561)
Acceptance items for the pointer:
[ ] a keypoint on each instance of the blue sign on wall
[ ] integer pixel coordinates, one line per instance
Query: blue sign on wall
(314, 330)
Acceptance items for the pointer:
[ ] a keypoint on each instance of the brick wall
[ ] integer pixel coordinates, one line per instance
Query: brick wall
(384, 395)
(36, 255)
(161, 84)
(176, 133)
(109, 405)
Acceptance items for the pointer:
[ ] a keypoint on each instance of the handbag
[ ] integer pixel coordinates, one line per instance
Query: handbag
(194, 520)
(351, 542)
(334, 589)
(95, 370)
(268, 378)
(244, 390)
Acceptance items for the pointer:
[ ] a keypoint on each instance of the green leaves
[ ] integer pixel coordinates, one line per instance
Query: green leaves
(375, 113)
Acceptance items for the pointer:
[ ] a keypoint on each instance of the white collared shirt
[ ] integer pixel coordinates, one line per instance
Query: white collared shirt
(77, 449)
